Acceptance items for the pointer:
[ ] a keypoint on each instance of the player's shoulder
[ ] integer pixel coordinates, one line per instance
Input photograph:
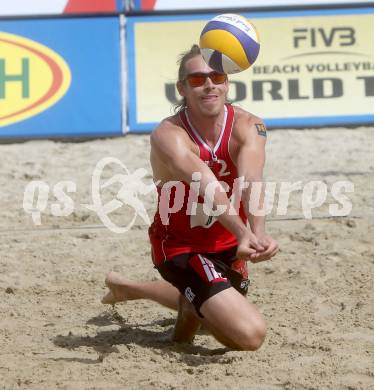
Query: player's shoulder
(170, 131)
(247, 124)
(169, 126)
(245, 118)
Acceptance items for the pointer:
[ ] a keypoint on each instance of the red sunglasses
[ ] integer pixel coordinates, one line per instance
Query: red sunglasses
(198, 79)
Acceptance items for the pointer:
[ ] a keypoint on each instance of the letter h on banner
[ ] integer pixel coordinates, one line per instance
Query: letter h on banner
(23, 78)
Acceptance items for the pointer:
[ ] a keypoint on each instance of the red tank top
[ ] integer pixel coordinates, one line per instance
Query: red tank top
(196, 233)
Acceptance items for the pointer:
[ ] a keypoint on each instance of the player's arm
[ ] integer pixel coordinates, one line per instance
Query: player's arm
(171, 148)
(251, 133)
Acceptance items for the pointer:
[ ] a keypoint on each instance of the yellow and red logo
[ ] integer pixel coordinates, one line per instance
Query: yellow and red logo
(32, 78)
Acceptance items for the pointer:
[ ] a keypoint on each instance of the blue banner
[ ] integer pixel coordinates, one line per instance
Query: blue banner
(60, 77)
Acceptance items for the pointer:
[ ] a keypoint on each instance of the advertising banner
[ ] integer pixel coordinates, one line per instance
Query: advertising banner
(60, 77)
(315, 67)
(52, 7)
(160, 5)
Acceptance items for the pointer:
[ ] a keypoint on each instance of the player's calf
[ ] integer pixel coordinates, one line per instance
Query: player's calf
(187, 322)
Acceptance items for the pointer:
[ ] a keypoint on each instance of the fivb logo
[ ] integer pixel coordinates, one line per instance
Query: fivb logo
(324, 37)
(32, 78)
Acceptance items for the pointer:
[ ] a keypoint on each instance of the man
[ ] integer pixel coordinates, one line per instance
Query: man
(205, 148)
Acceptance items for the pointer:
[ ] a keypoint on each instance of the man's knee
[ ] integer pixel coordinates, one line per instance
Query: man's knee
(253, 336)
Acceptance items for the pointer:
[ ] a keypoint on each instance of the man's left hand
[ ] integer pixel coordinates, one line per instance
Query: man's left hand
(271, 247)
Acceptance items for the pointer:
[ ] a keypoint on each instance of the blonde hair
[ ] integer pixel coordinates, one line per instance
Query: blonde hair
(182, 73)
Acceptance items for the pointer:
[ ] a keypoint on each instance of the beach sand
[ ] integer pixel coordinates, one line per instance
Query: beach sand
(316, 294)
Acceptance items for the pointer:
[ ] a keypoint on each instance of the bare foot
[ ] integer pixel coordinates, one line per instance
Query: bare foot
(117, 289)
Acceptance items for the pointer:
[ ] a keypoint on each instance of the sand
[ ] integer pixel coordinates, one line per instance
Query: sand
(316, 295)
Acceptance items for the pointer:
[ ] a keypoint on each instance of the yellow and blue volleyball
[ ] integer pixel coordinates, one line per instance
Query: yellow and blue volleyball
(229, 43)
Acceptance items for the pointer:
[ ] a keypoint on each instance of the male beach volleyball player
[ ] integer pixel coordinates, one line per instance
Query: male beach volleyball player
(203, 259)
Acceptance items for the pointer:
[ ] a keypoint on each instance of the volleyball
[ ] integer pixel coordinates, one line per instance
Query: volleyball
(229, 43)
